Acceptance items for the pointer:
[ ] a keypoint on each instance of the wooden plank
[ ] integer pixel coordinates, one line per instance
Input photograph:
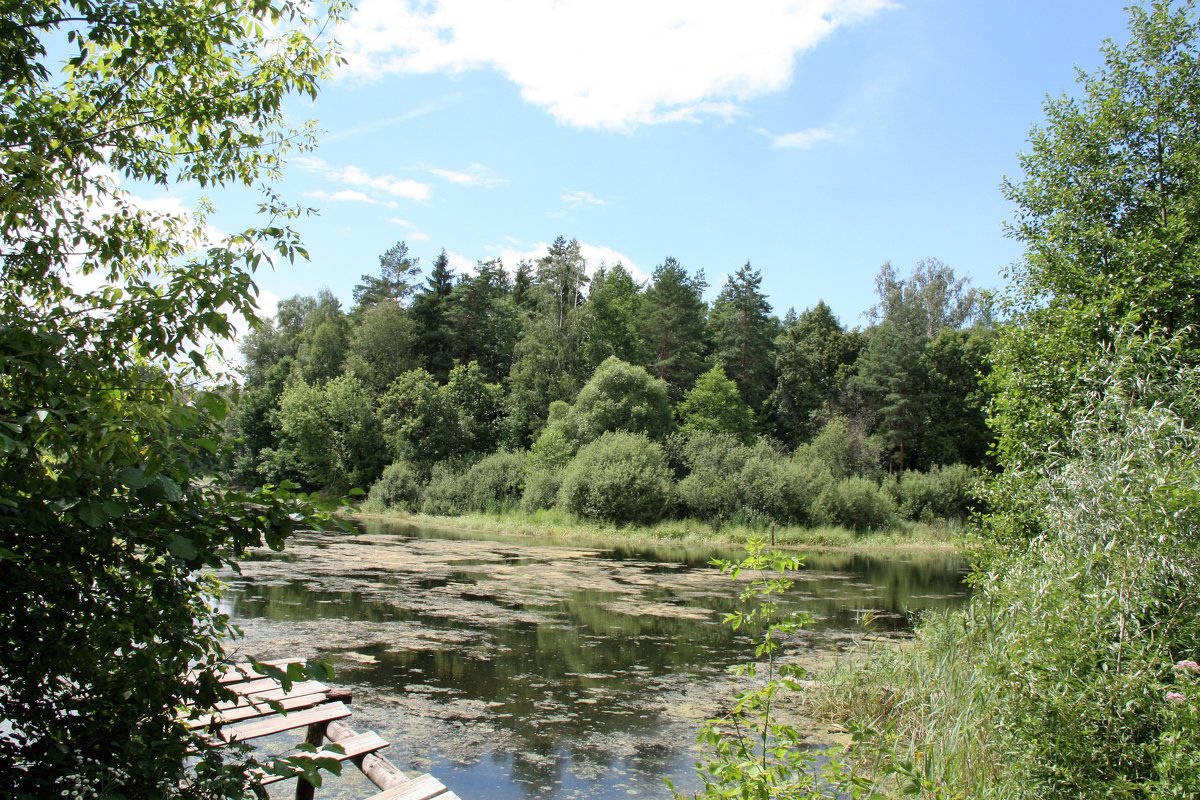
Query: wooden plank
(286, 722)
(423, 787)
(356, 746)
(245, 711)
(244, 670)
(379, 770)
(302, 688)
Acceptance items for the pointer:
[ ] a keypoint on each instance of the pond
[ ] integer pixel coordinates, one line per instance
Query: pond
(513, 668)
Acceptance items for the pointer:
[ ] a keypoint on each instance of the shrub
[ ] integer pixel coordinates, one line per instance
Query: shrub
(541, 489)
(621, 477)
(552, 451)
(941, 493)
(445, 493)
(711, 489)
(399, 487)
(495, 483)
(782, 490)
(845, 449)
(855, 503)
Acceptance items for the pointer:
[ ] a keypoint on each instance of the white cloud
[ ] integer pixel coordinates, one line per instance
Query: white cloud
(350, 196)
(582, 200)
(615, 64)
(474, 175)
(594, 255)
(460, 263)
(799, 140)
(419, 237)
(356, 176)
(410, 189)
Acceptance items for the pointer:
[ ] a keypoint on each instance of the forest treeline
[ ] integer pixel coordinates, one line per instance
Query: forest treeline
(612, 399)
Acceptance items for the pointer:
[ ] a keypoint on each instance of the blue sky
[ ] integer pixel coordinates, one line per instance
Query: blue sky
(815, 139)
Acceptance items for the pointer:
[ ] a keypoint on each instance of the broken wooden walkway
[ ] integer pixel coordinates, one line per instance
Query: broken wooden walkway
(264, 708)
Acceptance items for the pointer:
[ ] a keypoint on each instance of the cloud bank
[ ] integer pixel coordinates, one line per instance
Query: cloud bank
(610, 65)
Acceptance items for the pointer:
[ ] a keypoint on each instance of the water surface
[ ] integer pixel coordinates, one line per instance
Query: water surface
(514, 668)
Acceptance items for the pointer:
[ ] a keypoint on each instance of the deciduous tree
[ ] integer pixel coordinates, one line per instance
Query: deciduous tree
(105, 307)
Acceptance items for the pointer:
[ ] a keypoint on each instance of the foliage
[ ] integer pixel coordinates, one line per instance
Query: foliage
(621, 477)
(105, 515)
(941, 493)
(494, 483)
(1105, 208)
(446, 491)
(399, 487)
(711, 489)
(782, 490)
(714, 404)
(857, 503)
(541, 489)
(844, 449)
(329, 436)
(618, 397)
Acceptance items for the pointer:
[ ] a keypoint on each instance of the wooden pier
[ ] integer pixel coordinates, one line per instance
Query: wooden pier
(320, 713)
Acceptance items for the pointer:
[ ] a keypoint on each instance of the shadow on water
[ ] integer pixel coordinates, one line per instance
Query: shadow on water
(515, 668)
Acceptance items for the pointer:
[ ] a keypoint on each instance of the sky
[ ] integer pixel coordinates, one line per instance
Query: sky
(814, 139)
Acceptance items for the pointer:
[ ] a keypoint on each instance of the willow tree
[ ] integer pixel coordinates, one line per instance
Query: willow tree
(106, 517)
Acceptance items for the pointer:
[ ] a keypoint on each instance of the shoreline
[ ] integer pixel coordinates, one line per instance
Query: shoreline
(919, 539)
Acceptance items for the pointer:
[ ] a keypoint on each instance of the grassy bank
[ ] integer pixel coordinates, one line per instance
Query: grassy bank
(556, 525)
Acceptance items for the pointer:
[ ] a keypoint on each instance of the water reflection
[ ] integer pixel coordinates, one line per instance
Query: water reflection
(514, 668)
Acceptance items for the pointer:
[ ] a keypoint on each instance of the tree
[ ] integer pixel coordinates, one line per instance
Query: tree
(381, 346)
(672, 326)
(893, 376)
(931, 293)
(1106, 209)
(419, 423)
(397, 270)
(743, 334)
(715, 405)
(479, 406)
(430, 312)
(484, 324)
(892, 372)
(621, 477)
(549, 365)
(812, 359)
(105, 518)
(611, 314)
(618, 397)
(329, 436)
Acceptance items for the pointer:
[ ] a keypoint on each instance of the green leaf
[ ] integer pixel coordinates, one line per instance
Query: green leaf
(182, 548)
(170, 489)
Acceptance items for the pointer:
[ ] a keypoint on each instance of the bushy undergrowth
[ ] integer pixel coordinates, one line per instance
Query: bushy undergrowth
(944, 492)
(856, 503)
(399, 487)
(621, 477)
(1070, 673)
(712, 477)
